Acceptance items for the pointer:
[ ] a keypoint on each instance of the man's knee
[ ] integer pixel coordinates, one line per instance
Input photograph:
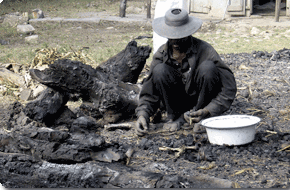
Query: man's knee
(162, 72)
(207, 70)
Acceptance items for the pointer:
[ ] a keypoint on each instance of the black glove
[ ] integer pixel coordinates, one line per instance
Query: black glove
(141, 126)
(195, 116)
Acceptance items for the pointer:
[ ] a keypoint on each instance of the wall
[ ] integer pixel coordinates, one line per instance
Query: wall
(218, 8)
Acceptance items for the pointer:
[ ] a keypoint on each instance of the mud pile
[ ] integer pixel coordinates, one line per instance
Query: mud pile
(84, 153)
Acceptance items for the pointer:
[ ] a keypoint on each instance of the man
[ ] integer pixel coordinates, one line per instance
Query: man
(187, 76)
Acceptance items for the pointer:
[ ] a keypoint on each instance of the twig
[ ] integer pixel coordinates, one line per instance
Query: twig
(179, 150)
(236, 185)
(272, 132)
(161, 131)
(208, 167)
(183, 184)
(255, 110)
(285, 81)
(73, 51)
(129, 154)
(259, 125)
(284, 148)
(7, 130)
(269, 135)
(250, 92)
(128, 125)
(242, 171)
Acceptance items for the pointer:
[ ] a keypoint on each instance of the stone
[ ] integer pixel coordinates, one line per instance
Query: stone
(32, 39)
(25, 29)
(37, 91)
(266, 33)
(4, 42)
(255, 31)
(37, 13)
(14, 19)
(218, 31)
(12, 77)
(241, 29)
(83, 124)
(26, 94)
(108, 155)
(235, 40)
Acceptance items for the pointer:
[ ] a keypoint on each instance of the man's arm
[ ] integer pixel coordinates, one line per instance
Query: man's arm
(148, 99)
(226, 96)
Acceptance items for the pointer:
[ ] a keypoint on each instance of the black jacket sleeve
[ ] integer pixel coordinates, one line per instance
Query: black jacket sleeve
(226, 96)
(149, 100)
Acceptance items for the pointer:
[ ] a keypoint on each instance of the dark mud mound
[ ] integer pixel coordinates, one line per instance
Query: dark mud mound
(78, 151)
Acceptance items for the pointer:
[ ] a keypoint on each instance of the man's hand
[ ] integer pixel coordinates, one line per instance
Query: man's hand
(195, 116)
(141, 126)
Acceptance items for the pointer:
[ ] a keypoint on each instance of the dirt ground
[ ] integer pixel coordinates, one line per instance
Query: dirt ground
(263, 87)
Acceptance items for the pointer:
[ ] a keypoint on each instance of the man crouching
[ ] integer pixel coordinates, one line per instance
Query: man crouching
(187, 76)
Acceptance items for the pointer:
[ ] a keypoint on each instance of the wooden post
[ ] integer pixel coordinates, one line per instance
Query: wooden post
(148, 8)
(277, 10)
(123, 8)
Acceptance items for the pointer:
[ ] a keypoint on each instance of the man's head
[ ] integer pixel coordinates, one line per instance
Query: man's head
(178, 44)
(176, 24)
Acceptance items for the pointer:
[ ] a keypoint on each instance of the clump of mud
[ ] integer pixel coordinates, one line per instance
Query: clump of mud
(79, 152)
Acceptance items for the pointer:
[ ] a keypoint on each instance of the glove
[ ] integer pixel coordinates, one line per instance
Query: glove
(141, 126)
(195, 116)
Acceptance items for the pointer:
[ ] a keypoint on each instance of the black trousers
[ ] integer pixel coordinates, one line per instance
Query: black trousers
(202, 85)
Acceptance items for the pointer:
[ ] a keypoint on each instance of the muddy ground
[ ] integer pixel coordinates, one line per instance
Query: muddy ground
(75, 161)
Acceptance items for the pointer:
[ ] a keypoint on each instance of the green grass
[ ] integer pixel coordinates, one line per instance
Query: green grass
(228, 42)
(100, 43)
(103, 43)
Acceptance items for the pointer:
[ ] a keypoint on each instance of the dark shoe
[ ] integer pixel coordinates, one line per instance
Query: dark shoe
(40, 76)
(174, 125)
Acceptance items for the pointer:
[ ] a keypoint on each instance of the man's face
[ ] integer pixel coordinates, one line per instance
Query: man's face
(177, 43)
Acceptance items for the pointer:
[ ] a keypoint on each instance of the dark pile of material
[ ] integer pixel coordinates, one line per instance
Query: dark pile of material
(86, 154)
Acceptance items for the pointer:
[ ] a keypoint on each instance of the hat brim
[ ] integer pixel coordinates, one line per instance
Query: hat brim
(176, 32)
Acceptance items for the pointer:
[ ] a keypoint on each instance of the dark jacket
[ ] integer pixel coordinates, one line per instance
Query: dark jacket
(198, 52)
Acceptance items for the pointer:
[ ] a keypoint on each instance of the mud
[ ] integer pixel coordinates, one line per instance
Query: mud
(85, 154)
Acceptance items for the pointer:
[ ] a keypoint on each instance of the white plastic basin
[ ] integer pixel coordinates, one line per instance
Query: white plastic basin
(231, 129)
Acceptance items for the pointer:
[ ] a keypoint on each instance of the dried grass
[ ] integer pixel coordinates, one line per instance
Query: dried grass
(50, 55)
(8, 88)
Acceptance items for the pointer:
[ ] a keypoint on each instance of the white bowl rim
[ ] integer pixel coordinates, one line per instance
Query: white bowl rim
(255, 118)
